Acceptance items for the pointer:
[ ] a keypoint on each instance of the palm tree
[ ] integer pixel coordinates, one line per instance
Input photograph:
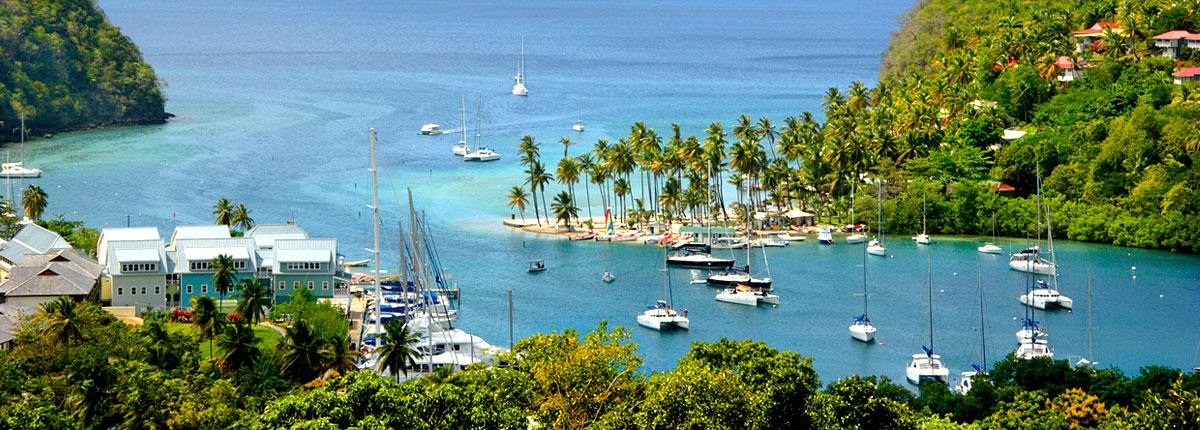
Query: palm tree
(398, 351)
(517, 197)
(537, 180)
(528, 149)
(34, 202)
(339, 356)
(568, 174)
(767, 130)
(302, 353)
(241, 218)
(564, 209)
(206, 319)
(252, 300)
(566, 142)
(224, 212)
(240, 346)
(63, 325)
(223, 277)
(585, 167)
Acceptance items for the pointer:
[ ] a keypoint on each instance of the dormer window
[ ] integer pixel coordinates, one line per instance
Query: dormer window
(138, 267)
(304, 266)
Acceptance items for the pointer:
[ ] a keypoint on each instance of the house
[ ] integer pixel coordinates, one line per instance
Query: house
(1172, 41)
(198, 232)
(1191, 74)
(265, 235)
(795, 216)
(1088, 36)
(110, 235)
(135, 275)
(42, 278)
(31, 240)
(303, 263)
(192, 263)
(1071, 70)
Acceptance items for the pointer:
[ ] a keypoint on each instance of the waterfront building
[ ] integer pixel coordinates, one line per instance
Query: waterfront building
(1191, 74)
(1089, 36)
(32, 239)
(135, 269)
(303, 263)
(192, 260)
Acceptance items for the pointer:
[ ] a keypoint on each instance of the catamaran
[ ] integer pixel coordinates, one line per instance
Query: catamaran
(662, 314)
(1041, 296)
(462, 149)
(741, 275)
(480, 153)
(519, 86)
(928, 366)
(745, 295)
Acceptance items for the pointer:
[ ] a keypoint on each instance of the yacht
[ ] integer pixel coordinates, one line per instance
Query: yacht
(744, 295)
(769, 242)
(990, 248)
(1030, 260)
(739, 276)
(519, 84)
(967, 381)
(482, 154)
(1030, 330)
(861, 328)
(1041, 296)
(785, 236)
(922, 239)
(698, 258)
(875, 247)
(431, 129)
(856, 238)
(662, 315)
(927, 367)
(1034, 349)
(17, 169)
(825, 236)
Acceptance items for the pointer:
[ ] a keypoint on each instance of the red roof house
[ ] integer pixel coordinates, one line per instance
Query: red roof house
(1069, 70)
(1191, 74)
(1090, 35)
(1172, 40)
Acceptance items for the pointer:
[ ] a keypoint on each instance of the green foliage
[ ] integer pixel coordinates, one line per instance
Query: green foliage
(65, 67)
(786, 381)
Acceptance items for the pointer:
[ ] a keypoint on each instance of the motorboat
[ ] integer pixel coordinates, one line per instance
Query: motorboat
(626, 237)
(825, 236)
(876, 247)
(584, 236)
(862, 329)
(967, 380)
(661, 316)
(744, 295)
(927, 367)
(482, 155)
(431, 129)
(738, 276)
(1041, 296)
(519, 84)
(990, 248)
(769, 242)
(698, 258)
(536, 266)
(17, 169)
(1035, 349)
(1030, 260)
(785, 236)
(608, 278)
(922, 239)
(729, 243)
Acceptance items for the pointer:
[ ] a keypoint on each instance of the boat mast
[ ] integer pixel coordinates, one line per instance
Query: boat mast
(1091, 358)
(982, 333)
(478, 121)
(510, 321)
(864, 293)
(403, 269)
(375, 229)
(929, 275)
(464, 118)
(923, 229)
(708, 203)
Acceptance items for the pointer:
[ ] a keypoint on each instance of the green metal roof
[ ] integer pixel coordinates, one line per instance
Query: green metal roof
(715, 230)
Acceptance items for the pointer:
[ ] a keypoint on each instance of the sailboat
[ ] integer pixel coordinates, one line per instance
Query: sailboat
(579, 119)
(17, 169)
(662, 314)
(990, 247)
(701, 257)
(480, 153)
(1041, 295)
(876, 246)
(861, 328)
(519, 86)
(1030, 259)
(1031, 338)
(462, 149)
(741, 275)
(857, 237)
(928, 366)
(967, 380)
(922, 238)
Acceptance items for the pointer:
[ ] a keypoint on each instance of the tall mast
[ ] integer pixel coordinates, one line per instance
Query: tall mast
(982, 333)
(1091, 358)
(478, 120)
(403, 269)
(864, 257)
(923, 229)
(708, 201)
(879, 181)
(375, 229)
(464, 117)
(929, 274)
(510, 321)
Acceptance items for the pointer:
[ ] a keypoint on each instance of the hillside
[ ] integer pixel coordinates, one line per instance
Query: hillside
(66, 67)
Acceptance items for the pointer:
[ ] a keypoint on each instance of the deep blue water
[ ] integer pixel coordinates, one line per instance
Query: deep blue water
(273, 100)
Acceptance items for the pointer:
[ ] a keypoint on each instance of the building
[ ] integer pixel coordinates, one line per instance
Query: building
(31, 240)
(1071, 70)
(700, 233)
(1089, 36)
(304, 263)
(1172, 41)
(1191, 74)
(135, 275)
(193, 264)
(10, 321)
(44, 277)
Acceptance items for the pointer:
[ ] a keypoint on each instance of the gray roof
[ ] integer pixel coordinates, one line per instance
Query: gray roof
(10, 319)
(130, 251)
(305, 250)
(32, 239)
(65, 273)
(199, 232)
(265, 235)
(110, 235)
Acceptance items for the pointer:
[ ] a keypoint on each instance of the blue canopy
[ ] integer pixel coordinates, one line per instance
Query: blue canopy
(928, 352)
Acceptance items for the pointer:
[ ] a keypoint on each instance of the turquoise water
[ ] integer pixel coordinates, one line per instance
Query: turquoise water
(273, 102)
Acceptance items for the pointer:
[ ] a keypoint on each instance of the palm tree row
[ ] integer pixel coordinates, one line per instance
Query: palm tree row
(231, 215)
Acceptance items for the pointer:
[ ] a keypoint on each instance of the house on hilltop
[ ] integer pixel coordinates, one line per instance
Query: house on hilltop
(1172, 41)
(1089, 36)
(1069, 70)
(1191, 74)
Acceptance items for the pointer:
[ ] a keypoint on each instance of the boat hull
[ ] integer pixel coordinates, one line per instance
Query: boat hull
(863, 333)
(660, 323)
(877, 250)
(992, 249)
(714, 262)
(739, 280)
(856, 238)
(1031, 267)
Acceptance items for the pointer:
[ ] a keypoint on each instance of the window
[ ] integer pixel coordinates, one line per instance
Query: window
(139, 267)
(189, 289)
(325, 285)
(239, 265)
(119, 291)
(199, 265)
(203, 288)
(310, 285)
(282, 285)
(156, 291)
(143, 290)
(296, 285)
(304, 266)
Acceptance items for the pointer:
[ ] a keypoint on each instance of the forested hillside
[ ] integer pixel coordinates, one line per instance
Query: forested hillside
(65, 67)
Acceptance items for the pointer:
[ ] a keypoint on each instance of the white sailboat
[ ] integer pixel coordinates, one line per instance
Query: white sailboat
(662, 314)
(462, 149)
(744, 295)
(862, 329)
(1030, 260)
(967, 379)
(855, 236)
(735, 276)
(923, 238)
(579, 119)
(876, 246)
(17, 169)
(480, 154)
(519, 86)
(990, 247)
(927, 366)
